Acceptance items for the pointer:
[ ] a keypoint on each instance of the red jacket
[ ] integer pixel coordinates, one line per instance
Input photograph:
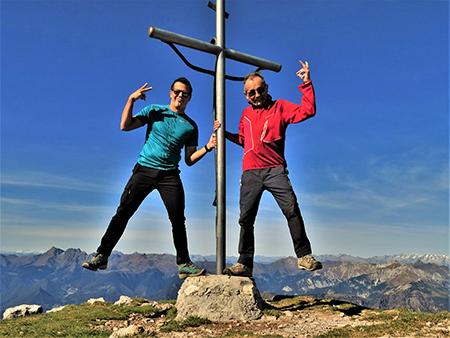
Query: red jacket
(262, 131)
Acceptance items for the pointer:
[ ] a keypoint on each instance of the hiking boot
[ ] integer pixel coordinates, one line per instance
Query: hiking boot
(238, 269)
(189, 270)
(309, 263)
(99, 261)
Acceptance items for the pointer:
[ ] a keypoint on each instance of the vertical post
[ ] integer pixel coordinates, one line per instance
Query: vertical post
(220, 148)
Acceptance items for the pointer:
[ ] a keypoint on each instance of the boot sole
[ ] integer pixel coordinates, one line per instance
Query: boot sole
(311, 269)
(228, 272)
(94, 268)
(186, 275)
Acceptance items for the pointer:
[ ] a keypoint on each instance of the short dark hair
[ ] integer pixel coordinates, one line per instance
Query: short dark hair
(184, 81)
(252, 75)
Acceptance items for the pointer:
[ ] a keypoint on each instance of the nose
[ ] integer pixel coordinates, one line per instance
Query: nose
(257, 95)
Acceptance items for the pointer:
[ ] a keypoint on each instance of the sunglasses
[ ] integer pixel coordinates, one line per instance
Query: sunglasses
(260, 90)
(183, 93)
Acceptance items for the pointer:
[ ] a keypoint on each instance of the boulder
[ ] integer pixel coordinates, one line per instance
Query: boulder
(127, 331)
(93, 300)
(219, 298)
(56, 309)
(124, 300)
(22, 311)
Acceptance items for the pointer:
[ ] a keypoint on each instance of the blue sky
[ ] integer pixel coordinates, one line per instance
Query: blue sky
(370, 169)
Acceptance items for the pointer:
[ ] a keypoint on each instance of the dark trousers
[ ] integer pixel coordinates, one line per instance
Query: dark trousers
(141, 183)
(275, 180)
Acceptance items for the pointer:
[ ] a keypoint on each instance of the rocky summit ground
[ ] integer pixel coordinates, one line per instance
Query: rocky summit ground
(290, 325)
(282, 320)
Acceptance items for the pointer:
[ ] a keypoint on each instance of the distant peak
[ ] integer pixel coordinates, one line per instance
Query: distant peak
(54, 250)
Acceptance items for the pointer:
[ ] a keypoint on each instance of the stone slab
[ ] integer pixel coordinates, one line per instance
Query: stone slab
(219, 298)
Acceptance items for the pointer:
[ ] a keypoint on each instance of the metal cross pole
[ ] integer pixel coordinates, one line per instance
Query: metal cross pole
(221, 54)
(220, 151)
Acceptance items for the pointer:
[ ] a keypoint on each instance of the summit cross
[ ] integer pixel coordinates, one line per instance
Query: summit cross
(221, 53)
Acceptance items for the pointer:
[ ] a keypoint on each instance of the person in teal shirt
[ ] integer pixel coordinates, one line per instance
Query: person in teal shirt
(169, 130)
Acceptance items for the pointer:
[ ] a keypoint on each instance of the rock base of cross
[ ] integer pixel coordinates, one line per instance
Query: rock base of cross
(219, 298)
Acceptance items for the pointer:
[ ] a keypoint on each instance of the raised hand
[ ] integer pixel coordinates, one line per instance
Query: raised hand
(304, 72)
(140, 93)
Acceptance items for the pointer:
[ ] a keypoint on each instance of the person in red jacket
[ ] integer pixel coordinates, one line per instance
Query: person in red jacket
(262, 134)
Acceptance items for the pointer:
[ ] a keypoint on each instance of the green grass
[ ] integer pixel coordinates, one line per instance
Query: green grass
(84, 320)
(192, 321)
(273, 312)
(69, 322)
(72, 321)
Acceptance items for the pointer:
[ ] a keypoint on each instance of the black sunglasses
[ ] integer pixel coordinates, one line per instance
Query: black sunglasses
(183, 93)
(260, 90)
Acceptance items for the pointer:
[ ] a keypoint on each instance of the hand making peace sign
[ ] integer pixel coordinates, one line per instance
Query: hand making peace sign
(304, 72)
(140, 93)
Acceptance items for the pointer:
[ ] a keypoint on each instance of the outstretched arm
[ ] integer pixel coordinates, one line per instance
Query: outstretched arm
(192, 155)
(307, 109)
(233, 138)
(130, 122)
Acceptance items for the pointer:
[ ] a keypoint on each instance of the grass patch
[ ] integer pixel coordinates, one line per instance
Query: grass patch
(273, 312)
(85, 320)
(171, 313)
(65, 323)
(181, 325)
(72, 321)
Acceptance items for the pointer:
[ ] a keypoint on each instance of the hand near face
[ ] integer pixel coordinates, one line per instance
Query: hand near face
(304, 72)
(140, 93)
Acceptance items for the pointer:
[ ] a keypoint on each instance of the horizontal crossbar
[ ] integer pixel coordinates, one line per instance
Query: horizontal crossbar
(185, 41)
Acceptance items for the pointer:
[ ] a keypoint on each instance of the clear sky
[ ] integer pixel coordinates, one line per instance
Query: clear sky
(370, 170)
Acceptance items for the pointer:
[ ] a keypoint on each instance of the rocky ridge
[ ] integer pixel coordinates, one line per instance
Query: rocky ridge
(56, 278)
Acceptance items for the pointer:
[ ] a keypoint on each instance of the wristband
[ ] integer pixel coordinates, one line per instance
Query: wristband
(206, 148)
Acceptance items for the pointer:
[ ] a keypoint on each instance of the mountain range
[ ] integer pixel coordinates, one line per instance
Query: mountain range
(56, 278)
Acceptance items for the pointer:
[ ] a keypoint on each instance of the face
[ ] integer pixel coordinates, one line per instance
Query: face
(179, 97)
(256, 91)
